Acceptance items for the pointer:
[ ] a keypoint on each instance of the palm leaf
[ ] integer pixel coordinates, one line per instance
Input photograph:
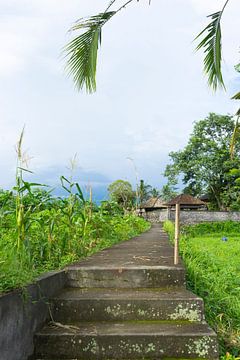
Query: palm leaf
(237, 67)
(212, 46)
(82, 50)
(236, 96)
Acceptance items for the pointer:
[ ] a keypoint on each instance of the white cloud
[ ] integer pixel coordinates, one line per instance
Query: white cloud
(150, 85)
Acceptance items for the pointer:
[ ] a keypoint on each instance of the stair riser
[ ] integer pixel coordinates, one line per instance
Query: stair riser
(68, 311)
(125, 347)
(126, 278)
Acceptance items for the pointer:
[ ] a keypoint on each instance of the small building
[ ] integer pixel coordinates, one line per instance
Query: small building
(153, 203)
(152, 207)
(187, 202)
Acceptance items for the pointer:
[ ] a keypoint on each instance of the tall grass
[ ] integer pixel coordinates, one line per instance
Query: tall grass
(211, 253)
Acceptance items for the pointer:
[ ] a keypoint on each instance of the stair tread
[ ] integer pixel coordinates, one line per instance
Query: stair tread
(126, 294)
(125, 328)
(124, 266)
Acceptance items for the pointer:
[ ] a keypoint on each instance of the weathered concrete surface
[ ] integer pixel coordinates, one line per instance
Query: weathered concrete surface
(24, 312)
(144, 261)
(127, 302)
(127, 340)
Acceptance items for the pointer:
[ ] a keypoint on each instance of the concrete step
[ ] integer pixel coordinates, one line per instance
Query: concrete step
(109, 276)
(91, 304)
(126, 340)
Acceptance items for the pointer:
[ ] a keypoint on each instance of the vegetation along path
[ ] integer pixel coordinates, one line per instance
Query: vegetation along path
(127, 302)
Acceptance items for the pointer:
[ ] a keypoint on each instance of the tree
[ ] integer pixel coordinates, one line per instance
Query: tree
(205, 162)
(168, 192)
(121, 191)
(155, 192)
(144, 191)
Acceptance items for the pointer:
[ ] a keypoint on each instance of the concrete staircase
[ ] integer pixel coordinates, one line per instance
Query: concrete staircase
(127, 302)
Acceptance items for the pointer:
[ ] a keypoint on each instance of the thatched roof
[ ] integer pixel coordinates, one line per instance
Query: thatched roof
(154, 202)
(185, 199)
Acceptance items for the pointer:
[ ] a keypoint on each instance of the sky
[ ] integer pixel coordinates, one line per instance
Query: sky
(150, 88)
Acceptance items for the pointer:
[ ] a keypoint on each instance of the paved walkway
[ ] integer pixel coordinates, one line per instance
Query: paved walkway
(151, 248)
(127, 302)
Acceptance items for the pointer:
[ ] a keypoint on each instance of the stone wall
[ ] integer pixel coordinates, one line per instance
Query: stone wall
(22, 313)
(193, 216)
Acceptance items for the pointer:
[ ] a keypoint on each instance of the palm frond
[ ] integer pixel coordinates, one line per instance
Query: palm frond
(83, 49)
(237, 67)
(236, 96)
(212, 46)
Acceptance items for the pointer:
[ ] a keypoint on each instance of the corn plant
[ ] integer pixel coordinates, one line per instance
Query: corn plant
(21, 188)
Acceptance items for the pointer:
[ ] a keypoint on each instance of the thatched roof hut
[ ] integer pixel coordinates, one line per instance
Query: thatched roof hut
(187, 202)
(153, 204)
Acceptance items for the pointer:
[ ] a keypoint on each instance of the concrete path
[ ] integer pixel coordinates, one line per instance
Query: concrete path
(127, 302)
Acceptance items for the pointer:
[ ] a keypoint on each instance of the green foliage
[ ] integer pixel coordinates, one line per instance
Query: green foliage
(39, 232)
(213, 273)
(168, 191)
(168, 226)
(205, 162)
(223, 227)
(228, 356)
(82, 50)
(145, 191)
(121, 192)
(155, 192)
(211, 44)
(63, 232)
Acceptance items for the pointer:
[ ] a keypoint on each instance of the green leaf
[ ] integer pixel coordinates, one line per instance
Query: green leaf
(80, 193)
(24, 169)
(211, 44)
(82, 50)
(237, 67)
(236, 96)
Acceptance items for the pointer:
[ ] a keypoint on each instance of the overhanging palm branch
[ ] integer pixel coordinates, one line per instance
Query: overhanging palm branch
(236, 96)
(82, 50)
(212, 46)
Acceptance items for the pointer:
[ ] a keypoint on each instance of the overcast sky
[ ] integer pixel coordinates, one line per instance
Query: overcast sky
(150, 87)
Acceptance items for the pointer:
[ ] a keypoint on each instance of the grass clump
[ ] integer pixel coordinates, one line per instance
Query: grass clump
(211, 254)
(168, 226)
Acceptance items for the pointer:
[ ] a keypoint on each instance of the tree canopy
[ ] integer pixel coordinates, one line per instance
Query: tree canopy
(121, 192)
(205, 163)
